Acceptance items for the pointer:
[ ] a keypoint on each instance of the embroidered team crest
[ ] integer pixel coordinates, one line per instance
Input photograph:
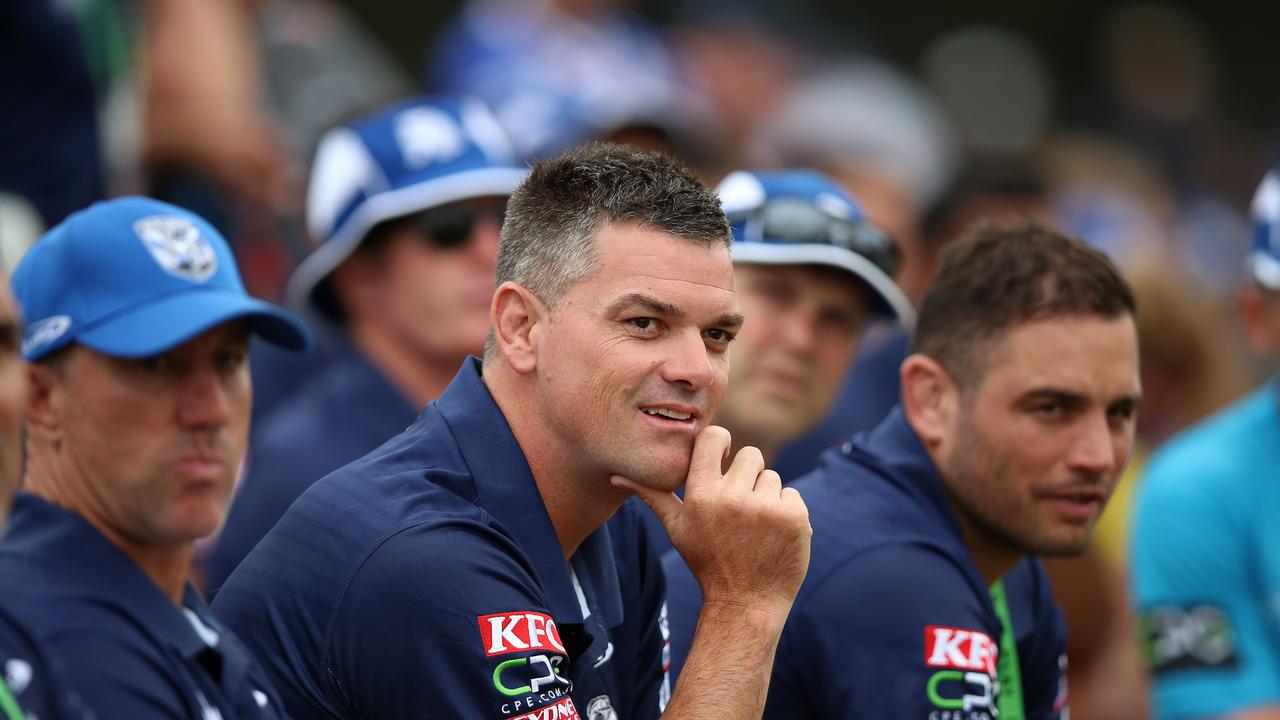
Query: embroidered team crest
(600, 708)
(427, 136)
(177, 246)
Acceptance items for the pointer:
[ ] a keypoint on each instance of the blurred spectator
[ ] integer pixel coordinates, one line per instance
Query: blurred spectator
(407, 205)
(882, 136)
(321, 67)
(560, 72)
(1207, 597)
(995, 87)
(51, 156)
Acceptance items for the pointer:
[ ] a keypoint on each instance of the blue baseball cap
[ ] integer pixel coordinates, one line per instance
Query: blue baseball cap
(404, 159)
(1264, 256)
(133, 277)
(801, 217)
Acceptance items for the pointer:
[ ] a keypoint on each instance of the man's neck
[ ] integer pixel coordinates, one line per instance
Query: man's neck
(418, 377)
(167, 564)
(992, 557)
(577, 500)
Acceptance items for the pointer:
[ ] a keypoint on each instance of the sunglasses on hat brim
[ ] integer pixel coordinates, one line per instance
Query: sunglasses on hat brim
(789, 220)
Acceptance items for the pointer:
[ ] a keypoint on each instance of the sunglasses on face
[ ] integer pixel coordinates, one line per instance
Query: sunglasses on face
(450, 226)
(801, 222)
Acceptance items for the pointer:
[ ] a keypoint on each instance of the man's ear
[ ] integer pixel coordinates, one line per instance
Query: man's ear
(930, 398)
(519, 322)
(44, 394)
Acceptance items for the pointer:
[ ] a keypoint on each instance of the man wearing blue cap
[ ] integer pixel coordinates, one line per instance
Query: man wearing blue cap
(924, 598)
(406, 205)
(138, 415)
(1205, 559)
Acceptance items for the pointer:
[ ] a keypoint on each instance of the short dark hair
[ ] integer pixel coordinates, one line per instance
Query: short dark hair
(553, 217)
(996, 276)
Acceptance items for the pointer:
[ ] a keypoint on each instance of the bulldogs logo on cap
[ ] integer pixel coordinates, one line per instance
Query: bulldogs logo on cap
(177, 246)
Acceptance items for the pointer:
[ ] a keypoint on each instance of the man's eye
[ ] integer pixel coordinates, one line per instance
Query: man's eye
(1122, 414)
(230, 359)
(644, 323)
(152, 363)
(1048, 410)
(720, 336)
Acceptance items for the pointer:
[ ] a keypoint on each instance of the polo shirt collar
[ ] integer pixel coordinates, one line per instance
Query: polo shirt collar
(507, 491)
(894, 443)
(81, 558)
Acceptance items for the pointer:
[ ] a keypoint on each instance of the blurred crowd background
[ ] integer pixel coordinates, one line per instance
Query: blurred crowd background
(1141, 127)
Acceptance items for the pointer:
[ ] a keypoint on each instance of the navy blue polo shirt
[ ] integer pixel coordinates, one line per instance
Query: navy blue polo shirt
(30, 681)
(426, 580)
(893, 619)
(123, 646)
(341, 414)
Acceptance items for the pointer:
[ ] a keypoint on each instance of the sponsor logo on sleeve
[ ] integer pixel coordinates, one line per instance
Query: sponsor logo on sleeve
(959, 649)
(965, 685)
(504, 633)
(1188, 636)
(561, 710)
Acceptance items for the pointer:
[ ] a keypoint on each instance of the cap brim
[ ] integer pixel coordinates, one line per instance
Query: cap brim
(168, 322)
(480, 182)
(887, 299)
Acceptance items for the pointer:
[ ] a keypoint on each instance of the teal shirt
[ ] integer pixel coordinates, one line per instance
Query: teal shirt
(1205, 563)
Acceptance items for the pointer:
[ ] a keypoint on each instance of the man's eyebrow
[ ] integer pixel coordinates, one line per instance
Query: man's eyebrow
(640, 301)
(650, 304)
(732, 321)
(1052, 393)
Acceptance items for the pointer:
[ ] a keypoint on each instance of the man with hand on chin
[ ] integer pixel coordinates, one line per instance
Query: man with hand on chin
(482, 564)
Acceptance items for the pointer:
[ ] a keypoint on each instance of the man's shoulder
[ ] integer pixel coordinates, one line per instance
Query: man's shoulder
(862, 511)
(901, 578)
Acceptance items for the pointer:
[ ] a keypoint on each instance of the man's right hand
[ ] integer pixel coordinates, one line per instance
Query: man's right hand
(744, 536)
(746, 539)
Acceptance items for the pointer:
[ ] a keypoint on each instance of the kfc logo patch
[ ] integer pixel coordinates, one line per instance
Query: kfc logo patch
(959, 649)
(518, 632)
(562, 710)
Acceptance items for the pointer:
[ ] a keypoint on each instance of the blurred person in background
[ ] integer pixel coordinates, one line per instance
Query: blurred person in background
(811, 271)
(558, 73)
(52, 157)
(1204, 544)
(136, 422)
(406, 205)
